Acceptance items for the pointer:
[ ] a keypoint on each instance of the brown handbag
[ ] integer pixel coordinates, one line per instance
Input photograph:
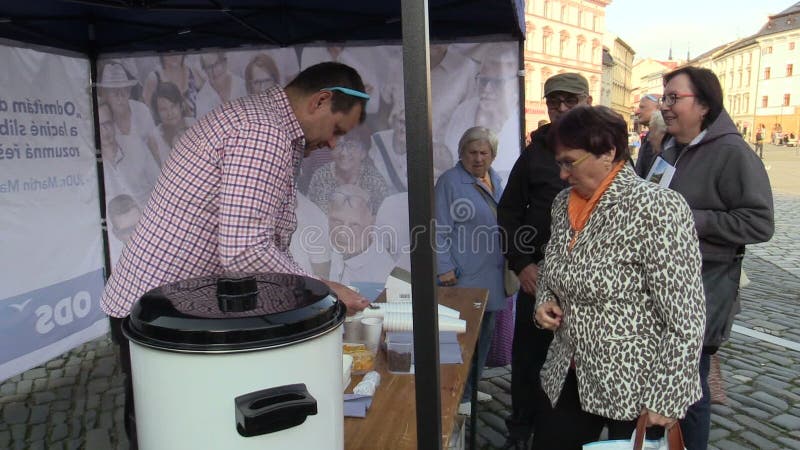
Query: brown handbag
(673, 435)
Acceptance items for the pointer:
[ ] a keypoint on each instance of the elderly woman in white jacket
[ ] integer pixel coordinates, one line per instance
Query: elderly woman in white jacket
(621, 289)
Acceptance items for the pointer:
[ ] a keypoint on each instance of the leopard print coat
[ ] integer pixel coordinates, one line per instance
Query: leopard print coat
(632, 297)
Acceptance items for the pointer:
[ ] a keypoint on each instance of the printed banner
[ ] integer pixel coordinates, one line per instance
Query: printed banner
(51, 244)
(146, 103)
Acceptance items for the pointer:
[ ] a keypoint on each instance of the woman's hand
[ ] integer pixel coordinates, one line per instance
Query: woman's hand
(448, 278)
(657, 419)
(548, 315)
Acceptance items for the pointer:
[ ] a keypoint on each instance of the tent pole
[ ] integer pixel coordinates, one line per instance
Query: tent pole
(101, 188)
(416, 70)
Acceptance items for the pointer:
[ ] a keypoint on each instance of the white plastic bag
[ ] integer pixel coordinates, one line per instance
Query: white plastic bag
(626, 444)
(672, 440)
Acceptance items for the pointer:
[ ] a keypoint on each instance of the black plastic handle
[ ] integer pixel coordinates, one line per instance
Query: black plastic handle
(237, 294)
(273, 409)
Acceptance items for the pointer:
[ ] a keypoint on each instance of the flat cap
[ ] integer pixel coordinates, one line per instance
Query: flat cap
(573, 83)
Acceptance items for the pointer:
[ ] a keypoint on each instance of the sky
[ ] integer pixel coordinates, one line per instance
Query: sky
(697, 25)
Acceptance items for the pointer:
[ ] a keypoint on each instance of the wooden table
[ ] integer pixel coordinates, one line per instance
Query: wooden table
(391, 420)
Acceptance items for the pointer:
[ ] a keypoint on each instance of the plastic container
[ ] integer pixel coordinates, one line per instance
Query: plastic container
(399, 356)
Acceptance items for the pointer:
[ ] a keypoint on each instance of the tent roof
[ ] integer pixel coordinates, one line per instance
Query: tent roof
(107, 26)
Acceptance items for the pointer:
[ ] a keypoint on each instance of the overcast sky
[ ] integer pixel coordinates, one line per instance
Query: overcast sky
(697, 25)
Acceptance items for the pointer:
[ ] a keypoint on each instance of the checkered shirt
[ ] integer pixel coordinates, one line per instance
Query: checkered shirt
(224, 202)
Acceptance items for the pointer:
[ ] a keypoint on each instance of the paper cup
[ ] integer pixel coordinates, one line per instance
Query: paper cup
(398, 322)
(353, 328)
(405, 322)
(371, 328)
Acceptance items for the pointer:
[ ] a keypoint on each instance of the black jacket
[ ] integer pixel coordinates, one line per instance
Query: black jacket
(524, 209)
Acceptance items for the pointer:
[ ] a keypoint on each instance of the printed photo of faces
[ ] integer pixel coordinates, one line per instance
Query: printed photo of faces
(352, 208)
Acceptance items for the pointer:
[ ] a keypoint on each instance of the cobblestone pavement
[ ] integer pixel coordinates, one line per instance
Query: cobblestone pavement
(75, 401)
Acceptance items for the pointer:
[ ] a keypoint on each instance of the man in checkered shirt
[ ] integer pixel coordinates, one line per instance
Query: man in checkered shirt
(226, 197)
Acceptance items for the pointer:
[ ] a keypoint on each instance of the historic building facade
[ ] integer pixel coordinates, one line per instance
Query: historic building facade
(561, 36)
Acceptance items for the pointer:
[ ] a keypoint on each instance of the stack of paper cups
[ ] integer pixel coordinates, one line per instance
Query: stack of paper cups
(404, 308)
(393, 321)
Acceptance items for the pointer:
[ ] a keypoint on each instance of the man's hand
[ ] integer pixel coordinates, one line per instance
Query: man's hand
(448, 278)
(528, 278)
(352, 299)
(548, 315)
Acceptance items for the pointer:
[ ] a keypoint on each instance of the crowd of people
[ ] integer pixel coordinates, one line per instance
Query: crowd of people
(628, 275)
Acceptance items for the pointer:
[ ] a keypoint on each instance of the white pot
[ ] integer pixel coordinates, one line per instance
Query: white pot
(287, 394)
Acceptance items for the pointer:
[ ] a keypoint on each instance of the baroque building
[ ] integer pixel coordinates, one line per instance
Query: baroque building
(561, 36)
(621, 77)
(758, 75)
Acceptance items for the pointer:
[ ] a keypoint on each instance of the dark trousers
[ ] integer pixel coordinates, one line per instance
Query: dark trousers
(484, 344)
(568, 427)
(527, 357)
(125, 362)
(697, 423)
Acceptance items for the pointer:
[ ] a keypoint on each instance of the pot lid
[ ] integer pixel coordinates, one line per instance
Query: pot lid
(234, 312)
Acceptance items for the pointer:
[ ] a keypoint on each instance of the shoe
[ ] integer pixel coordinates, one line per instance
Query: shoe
(483, 397)
(465, 409)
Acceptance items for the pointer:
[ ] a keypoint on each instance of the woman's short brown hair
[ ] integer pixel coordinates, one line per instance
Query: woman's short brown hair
(596, 129)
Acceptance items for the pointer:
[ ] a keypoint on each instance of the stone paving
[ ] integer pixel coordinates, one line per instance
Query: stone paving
(75, 401)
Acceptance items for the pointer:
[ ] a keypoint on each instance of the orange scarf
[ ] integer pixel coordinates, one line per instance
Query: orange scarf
(580, 209)
(487, 180)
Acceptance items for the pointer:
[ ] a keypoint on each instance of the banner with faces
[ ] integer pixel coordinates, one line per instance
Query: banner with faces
(352, 207)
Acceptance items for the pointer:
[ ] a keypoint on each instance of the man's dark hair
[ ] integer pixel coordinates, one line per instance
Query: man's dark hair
(332, 74)
(706, 89)
(169, 91)
(595, 129)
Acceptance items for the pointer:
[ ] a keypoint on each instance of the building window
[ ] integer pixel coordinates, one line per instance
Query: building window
(563, 42)
(766, 73)
(764, 101)
(580, 18)
(564, 13)
(531, 6)
(768, 50)
(748, 77)
(789, 68)
(746, 102)
(791, 45)
(594, 22)
(786, 99)
(546, 9)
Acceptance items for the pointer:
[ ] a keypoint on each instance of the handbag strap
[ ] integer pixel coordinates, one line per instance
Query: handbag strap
(673, 434)
(486, 197)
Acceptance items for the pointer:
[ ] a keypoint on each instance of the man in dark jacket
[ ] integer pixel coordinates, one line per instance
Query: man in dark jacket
(524, 214)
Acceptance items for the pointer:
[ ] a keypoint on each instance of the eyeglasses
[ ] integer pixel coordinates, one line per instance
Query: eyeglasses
(339, 197)
(346, 147)
(671, 99)
(569, 166)
(555, 102)
(495, 82)
(348, 91)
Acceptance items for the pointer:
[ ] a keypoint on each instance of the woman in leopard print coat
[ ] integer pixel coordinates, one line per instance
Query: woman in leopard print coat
(621, 289)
